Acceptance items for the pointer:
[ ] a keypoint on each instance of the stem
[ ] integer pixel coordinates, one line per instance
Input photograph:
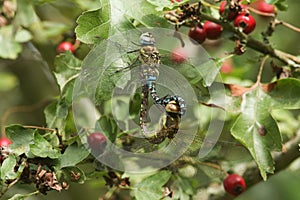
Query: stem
(258, 80)
(8, 187)
(40, 128)
(261, 13)
(290, 26)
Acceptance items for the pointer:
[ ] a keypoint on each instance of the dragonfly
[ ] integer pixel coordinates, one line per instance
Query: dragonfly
(174, 105)
(147, 62)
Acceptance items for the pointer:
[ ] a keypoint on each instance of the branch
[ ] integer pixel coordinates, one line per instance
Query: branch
(255, 44)
(282, 161)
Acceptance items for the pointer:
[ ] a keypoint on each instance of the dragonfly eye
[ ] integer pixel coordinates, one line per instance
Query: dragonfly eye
(147, 39)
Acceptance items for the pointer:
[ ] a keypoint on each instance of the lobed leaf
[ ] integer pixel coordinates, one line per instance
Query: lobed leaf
(42, 148)
(255, 127)
(9, 47)
(94, 24)
(67, 68)
(8, 168)
(73, 155)
(21, 138)
(151, 187)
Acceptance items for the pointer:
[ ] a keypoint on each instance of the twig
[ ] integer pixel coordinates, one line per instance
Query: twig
(261, 13)
(261, 69)
(40, 128)
(257, 45)
(17, 109)
(290, 26)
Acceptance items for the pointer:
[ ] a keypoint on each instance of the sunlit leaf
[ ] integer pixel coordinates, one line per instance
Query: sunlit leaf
(67, 67)
(8, 168)
(9, 47)
(26, 15)
(255, 127)
(23, 36)
(42, 148)
(163, 4)
(151, 187)
(21, 138)
(93, 25)
(116, 17)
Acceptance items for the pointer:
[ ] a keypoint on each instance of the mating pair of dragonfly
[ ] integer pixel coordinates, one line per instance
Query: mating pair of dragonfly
(174, 105)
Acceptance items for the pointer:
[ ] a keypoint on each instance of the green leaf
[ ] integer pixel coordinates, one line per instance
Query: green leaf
(8, 168)
(255, 119)
(151, 187)
(56, 114)
(23, 36)
(7, 81)
(73, 155)
(141, 11)
(67, 68)
(115, 17)
(26, 15)
(52, 29)
(9, 47)
(280, 4)
(20, 137)
(109, 127)
(285, 93)
(42, 148)
(162, 4)
(93, 25)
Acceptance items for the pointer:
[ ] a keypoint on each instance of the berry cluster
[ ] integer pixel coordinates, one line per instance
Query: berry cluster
(229, 11)
(209, 30)
(238, 13)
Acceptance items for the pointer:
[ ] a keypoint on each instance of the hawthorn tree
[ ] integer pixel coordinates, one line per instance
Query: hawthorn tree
(240, 127)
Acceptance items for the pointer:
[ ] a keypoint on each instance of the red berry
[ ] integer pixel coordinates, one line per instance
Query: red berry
(226, 67)
(246, 21)
(97, 142)
(234, 184)
(172, 1)
(4, 141)
(213, 30)
(262, 6)
(198, 34)
(65, 46)
(178, 55)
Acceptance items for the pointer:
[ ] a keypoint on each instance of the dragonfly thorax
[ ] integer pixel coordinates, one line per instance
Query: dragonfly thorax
(147, 39)
(150, 56)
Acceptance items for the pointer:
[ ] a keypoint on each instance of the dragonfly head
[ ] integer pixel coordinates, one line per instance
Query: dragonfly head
(147, 39)
(175, 104)
(172, 107)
